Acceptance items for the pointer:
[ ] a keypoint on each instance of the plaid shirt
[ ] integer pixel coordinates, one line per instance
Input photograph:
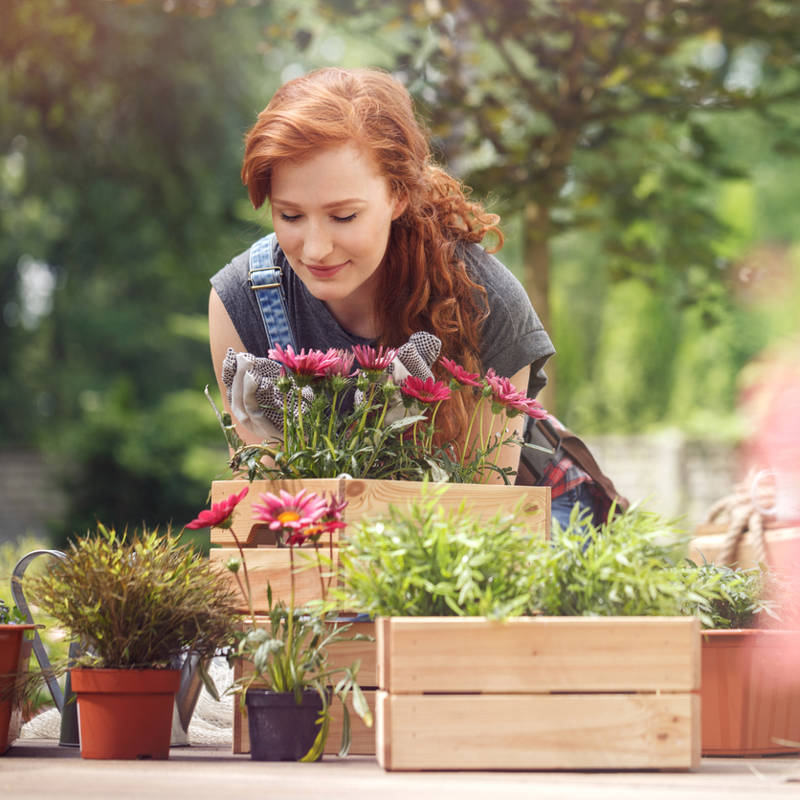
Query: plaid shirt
(562, 475)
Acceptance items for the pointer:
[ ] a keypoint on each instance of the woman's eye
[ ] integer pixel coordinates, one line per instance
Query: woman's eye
(290, 217)
(348, 218)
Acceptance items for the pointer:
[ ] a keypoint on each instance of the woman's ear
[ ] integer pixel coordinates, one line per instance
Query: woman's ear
(400, 205)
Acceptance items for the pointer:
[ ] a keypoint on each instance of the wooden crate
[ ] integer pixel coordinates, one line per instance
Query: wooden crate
(370, 498)
(365, 498)
(341, 654)
(538, 693)
(271, 566)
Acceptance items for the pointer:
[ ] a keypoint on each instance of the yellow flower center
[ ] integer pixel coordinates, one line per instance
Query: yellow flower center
(288, 516)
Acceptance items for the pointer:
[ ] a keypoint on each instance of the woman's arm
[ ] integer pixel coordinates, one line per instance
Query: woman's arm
(222, 335)
(509, 454)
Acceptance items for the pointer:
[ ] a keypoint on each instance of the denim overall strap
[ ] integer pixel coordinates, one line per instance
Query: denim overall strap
(265, 281)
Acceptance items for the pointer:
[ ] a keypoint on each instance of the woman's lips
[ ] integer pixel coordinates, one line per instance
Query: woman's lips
(319, 271)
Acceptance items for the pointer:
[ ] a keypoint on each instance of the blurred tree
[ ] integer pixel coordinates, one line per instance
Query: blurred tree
(579, 112)
(120, 137)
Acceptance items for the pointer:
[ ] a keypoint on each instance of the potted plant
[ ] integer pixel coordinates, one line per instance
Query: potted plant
(750, 677)
(497, 650)
(290, 682)
(358, 424)
(137, 603)
(14, 653)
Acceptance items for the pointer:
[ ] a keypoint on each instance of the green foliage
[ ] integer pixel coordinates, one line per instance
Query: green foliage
(291, 656)
(621, 125)
(633, 565)
(137, 601)
(119, 197)
(424, 562)
(367, 426)
(10, 616)
(732, 598)
(420, 562)
(624, 567)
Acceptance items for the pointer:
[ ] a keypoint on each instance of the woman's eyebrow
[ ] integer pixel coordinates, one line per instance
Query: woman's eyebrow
(334, 204)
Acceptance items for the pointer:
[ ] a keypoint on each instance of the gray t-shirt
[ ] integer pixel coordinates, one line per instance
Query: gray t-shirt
(512, 337)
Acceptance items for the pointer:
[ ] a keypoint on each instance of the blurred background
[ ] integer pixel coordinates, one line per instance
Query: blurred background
(644, 156)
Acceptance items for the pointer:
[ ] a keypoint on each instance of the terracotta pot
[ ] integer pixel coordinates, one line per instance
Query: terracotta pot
(280, 729)
(125, 713)
(15, 651)
(750, 692)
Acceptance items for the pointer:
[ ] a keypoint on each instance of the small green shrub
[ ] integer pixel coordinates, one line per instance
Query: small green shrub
(634, 565)
(627, 566)
(424, 562)
(137, 601)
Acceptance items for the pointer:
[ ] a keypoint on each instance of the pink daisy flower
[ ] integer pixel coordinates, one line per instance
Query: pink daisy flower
(427, 391)
(505, 394)
(460, 374)
(333, 518)
(288, 513)
(312, 364)
(371, 359)
(220, 514)
(342, 366)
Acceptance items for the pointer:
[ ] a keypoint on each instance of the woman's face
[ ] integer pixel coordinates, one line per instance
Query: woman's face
(332, 214)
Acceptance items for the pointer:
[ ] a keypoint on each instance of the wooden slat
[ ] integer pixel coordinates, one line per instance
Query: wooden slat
(362, 738)
(243, 522)
(482, 732)
(538, 654)
(368, 498)
(271, 565)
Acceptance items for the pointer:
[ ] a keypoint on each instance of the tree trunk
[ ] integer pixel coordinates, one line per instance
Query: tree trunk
(536, 279)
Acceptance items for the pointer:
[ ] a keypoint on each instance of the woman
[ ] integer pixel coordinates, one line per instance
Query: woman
(375, 242)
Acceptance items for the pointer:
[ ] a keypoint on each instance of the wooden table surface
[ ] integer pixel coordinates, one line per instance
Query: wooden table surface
(34, 769)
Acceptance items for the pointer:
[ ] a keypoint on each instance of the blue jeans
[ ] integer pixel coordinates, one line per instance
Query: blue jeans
(561, 507)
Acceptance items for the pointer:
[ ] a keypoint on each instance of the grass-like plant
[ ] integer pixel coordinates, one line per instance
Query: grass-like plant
(425, 562)
(732, 597)
(289, 654)
(634, 564)
(627, 566)
(137, 601)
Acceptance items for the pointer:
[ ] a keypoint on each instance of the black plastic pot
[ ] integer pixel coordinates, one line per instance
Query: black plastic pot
(280, 729)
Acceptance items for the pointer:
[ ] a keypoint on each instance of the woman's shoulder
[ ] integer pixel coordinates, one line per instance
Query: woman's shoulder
(502, 286)
(233, 274)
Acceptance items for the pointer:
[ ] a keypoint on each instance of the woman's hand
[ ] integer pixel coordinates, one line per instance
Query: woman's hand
(222, 335)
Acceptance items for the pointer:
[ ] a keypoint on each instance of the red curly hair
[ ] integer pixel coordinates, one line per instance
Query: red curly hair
(424, 285)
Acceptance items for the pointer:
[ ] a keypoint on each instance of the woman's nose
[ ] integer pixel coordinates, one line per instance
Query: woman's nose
(317, 244)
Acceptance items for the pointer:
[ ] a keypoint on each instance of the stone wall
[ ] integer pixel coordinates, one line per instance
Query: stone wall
(27, 498)
(667, 472)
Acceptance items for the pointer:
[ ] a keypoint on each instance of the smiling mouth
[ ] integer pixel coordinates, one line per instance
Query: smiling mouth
(325, 271)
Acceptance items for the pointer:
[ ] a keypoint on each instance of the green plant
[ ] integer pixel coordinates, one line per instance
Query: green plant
(732, 597)
(634, 565)
(627, 566)
(423, 562)
(369, 422)
(10, 616)
(137, 601)
(290, 653)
